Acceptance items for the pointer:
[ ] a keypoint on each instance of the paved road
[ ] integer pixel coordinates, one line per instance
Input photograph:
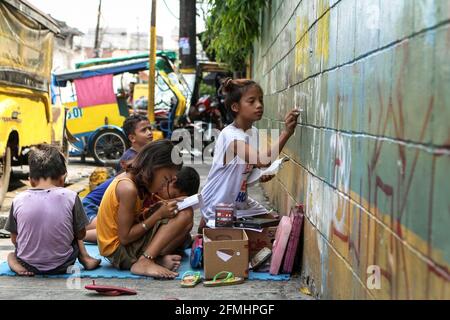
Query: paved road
(60, 289)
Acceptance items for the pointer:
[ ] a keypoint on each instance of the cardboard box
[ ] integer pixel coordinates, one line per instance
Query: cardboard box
(225, 249)
(259, 240)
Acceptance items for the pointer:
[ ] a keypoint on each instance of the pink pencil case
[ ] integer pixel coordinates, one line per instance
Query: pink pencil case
(296, 217)
(280, 243)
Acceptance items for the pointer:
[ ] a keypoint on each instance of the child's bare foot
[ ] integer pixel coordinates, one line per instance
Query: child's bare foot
(169, 261)
(15, 266)
(146, 267)
(88, 262)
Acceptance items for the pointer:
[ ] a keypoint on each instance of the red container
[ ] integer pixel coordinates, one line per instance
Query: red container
(225, 215)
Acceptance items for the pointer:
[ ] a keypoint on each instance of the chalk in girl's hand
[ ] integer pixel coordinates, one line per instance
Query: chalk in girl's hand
(295, 99)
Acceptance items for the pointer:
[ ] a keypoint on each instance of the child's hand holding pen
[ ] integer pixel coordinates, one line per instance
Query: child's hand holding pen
(168, 209)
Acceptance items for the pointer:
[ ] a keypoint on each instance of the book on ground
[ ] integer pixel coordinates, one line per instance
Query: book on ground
(256, 223)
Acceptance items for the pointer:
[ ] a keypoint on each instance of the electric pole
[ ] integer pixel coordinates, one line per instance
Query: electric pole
(97, 31)
(188, 34)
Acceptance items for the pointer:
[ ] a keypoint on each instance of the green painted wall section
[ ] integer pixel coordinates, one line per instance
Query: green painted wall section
(371, 153)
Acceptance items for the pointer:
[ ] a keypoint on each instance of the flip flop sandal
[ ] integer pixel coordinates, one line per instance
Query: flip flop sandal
(229, 280)
(110, 290)
(190, 279)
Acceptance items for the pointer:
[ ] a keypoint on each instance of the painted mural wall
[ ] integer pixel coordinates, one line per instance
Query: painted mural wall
(371, 154)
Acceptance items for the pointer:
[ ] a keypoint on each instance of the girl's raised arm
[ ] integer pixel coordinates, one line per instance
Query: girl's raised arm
(252, 156)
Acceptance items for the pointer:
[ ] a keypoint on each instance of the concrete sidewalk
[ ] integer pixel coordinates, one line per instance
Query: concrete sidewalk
(67, 289)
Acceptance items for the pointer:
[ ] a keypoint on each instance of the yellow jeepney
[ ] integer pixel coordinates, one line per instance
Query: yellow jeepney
(98, 107)
(27, 116)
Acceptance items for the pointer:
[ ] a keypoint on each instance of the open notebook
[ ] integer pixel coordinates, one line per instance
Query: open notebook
(272, 170)
(194, 201)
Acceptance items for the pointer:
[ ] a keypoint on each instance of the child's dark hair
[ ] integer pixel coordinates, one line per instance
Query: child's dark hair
(233, 90)
(155, 155)
(129, 126)
(45, 162)
(188, 181)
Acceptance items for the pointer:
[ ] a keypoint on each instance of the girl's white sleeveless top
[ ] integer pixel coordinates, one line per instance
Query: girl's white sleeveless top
(228, 183)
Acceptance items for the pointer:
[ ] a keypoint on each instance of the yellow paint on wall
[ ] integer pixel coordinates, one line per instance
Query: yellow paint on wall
(322, 5)
(302, 47)
(323, 38)
(303, 39)
(356, 240)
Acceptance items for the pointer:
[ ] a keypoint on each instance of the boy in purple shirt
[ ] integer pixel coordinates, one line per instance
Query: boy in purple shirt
(47, 223)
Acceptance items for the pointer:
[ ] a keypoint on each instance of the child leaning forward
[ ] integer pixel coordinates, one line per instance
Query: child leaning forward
(47, 222)
(238, 151)
(144, 247)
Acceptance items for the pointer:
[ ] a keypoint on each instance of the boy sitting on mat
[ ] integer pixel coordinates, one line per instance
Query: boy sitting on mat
(47, 222)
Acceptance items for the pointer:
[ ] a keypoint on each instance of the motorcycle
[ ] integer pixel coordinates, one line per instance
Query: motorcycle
(207, 110)
(201, 120)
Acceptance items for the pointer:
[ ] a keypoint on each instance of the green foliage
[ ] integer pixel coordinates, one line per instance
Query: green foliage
(207, 90)
(231, 29)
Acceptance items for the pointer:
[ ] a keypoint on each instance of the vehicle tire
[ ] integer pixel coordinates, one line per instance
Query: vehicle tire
(5, 173)
(108, 146)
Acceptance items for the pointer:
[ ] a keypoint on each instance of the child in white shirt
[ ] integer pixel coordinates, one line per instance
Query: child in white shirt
(237, 151)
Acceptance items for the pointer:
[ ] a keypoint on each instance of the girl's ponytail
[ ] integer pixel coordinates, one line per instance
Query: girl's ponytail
(226, 86)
